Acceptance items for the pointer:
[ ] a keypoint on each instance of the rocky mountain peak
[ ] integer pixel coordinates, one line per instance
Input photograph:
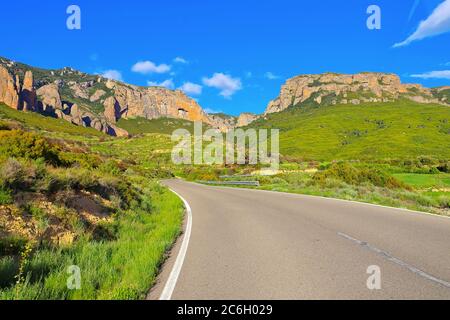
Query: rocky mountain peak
(333, 88)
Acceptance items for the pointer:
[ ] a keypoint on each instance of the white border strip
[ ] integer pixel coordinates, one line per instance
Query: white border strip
(176, 270)
(332, 199)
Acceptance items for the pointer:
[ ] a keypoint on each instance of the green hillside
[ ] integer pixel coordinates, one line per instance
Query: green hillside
(73, 196)
(90, 195)
(396, 130)
(53, 127)
(162, 125)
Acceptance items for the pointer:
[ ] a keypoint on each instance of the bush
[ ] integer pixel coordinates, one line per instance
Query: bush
(21, 144)
(4, 126)
(444, 167)
(104, 185)
(16, 175)
(11, 245)
(8, 269)
(84, 160)
(349, 174)
(5, 197)
(444, 202)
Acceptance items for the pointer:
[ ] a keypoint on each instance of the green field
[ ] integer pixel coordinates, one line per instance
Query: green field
(425, 181)
(162, 125)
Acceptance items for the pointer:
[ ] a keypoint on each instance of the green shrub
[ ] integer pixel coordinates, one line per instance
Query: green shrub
(110, 167)
(11, 245)
(21, 144)
(5, 197)
(444, 202)
(4, 126)
(350, 174)
(444, 167)
(84, 160)
(8, 269)
(17, 175)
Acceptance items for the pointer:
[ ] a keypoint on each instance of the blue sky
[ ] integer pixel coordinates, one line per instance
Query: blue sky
(233, 56)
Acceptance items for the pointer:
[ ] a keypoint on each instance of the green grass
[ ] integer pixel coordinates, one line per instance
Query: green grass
(304, 183)
(425, 180)
(124, 266)
(122, 269)
(162, 125)
(403, 129)
(56, 127)
(148, 152)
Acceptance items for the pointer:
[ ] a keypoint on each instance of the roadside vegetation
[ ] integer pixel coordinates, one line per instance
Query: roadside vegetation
(63, 204)
(402, 130)
(73, 196)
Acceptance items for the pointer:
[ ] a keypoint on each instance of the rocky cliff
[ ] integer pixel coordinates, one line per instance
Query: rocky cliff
(129, 101)
(16, 94)
(331, 88)
(91, 100)
(245, 119)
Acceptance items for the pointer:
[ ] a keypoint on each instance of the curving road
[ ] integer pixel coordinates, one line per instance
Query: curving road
(249, 244)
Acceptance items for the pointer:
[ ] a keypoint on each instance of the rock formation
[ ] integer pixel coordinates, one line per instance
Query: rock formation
(50, 98)
(331, 88)
(97, 95)
(14, 94)
(245, 119)
(113, 110)
(225, 122)
(9, 92)
(93, 101)
(151, 103)
(28, 94)
(51, 104)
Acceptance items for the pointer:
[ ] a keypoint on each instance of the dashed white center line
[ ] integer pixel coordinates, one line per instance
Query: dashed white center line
(393, 259)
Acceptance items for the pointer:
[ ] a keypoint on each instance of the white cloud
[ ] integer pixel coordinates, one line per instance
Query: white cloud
(113, 75)
(191, 88)
(437, 23)
(147, 67)
(180, 60)
(443, 74)
(212, 111)
(271, 76)
(165, 84)
(225, 83)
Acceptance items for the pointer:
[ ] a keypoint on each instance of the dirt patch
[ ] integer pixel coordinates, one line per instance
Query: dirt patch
(36, 218)
(13, 222)
(92, 208)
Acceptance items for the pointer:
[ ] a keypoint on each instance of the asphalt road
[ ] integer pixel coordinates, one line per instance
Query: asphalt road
(249, 244)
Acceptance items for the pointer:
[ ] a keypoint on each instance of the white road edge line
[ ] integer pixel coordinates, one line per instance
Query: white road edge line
(393, 259)
(331, 199)
(173, 277)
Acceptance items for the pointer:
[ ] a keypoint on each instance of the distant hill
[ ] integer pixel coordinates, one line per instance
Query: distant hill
(366, 87)
(93, 101)
(383, 130)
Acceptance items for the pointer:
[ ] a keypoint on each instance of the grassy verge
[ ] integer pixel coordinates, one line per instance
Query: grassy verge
(121, 269)
(365, 182)
(63, 204)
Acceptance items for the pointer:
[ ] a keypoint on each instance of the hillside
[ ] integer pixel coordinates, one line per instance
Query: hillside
(367, 131)
(71, 195)
(366, 87)
(93, 101)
